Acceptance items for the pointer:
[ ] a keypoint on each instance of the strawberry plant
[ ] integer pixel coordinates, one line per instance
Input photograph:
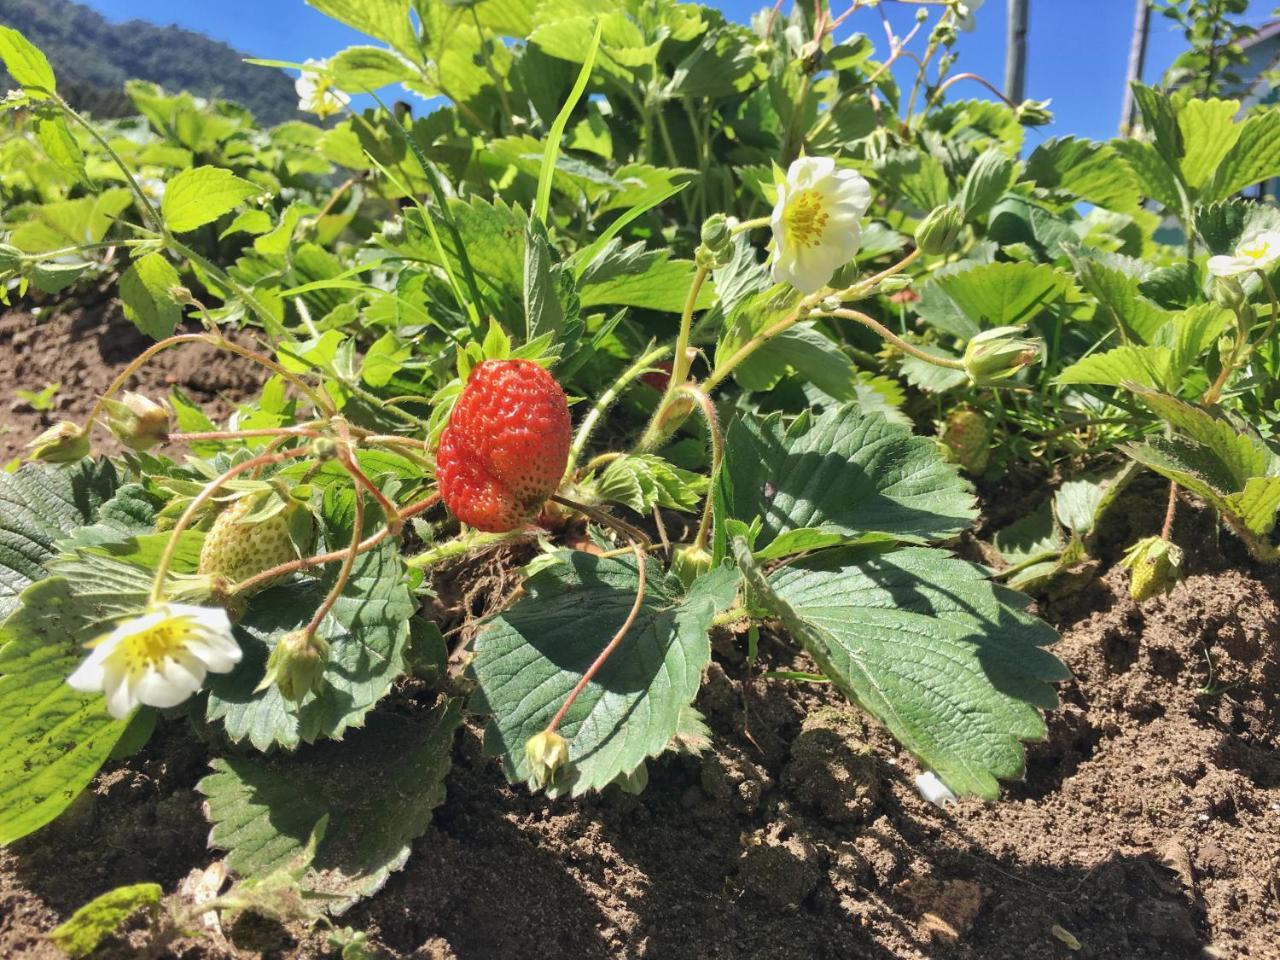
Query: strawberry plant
(652, 300)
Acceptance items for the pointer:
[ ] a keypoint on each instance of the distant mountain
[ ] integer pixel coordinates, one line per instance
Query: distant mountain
(94, 57)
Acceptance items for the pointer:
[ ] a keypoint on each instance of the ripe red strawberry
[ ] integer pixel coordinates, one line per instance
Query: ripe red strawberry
(505, 449)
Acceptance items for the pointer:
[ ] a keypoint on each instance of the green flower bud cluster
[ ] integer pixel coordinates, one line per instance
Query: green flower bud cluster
(940, 230)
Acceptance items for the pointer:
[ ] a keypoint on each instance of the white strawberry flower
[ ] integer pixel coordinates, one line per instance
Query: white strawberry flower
(158, 659)
(967, 22)
(316, 92)
(1258, 252)
(817, 222)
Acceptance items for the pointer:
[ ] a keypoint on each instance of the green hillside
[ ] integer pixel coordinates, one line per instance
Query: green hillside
(94, 57)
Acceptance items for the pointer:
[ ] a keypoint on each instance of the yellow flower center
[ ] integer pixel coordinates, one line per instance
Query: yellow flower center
(148, 647)
(806, 218)
(1257, 250)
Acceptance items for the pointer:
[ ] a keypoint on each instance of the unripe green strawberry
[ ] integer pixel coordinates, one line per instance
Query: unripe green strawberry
(1155, 565)
(506, 447)
(237, 550)
(967, 437)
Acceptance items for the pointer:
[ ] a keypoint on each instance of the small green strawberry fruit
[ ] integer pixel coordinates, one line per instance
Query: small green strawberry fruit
(1155, 566)
(239, 545)
(967, 438)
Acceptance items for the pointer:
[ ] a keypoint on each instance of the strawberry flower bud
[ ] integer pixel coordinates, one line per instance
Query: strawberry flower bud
(296, 665)
(1034, 113)
(997, 354)
(689, 563)
(939, 231)
(64, 442)
(546, 753)
(137, 421)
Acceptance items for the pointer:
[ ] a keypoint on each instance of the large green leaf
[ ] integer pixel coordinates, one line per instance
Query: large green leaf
(1148, 366)
(367, 631)
(1209, 131)
(530, 657)
(1120, 302)
(201, 195)
(38, 506)
(144, 290)
(53, 739)
(845, 474)
(663, 285)
(1253, 158)
(377, 788)
(1243, 454)
(386, 20)
(1090, 171)
(992, 295)
(948, 661)
(26, 63)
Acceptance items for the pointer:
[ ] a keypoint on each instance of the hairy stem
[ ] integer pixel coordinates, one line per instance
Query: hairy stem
(605, 400)
(612, 645)
(344, 572)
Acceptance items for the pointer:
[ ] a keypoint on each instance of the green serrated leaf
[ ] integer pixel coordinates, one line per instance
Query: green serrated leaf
(530, 657)
(53, 739)
(644, 481)
(844, 473)
(948, 661)
(987, 295)
(1254, 157)
(39, 505)
(377, 789)
(1237, 448)
(26, 64)
(144, 289)
(80, 935)
(1256, 504)
(367, 632)
(201, 195)
(1149, 366)
(1208, 131)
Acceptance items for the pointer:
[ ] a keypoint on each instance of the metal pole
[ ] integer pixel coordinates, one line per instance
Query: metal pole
(1015, 64)
(1137, 60)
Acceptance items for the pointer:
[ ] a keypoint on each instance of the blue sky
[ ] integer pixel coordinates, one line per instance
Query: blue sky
(1077, 49)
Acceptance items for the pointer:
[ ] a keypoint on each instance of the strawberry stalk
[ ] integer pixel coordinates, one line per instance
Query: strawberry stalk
(304, 563)
(344, 572)
(611, 646)
(717, 454)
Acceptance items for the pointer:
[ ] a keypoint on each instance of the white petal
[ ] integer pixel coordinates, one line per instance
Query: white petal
(219, 654)
(170, 684)
(934, 790)
(1228, 266)
(807, 270)
(121, 697)
(805, 171)
(89, 676)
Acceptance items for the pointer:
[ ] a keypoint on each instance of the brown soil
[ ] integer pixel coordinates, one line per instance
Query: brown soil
(82, 351)
(1148, 824)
